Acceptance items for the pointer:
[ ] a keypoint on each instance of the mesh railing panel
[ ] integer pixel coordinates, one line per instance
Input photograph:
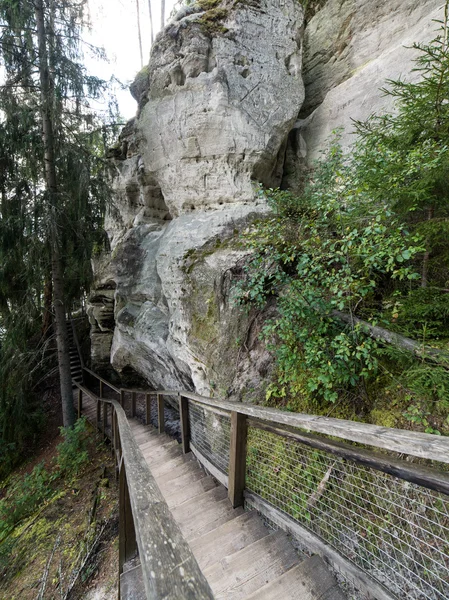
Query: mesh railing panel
(210, 433)
(396, 531)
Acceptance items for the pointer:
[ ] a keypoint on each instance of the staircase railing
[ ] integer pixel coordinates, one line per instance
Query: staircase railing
(379, 517)
(146, 526)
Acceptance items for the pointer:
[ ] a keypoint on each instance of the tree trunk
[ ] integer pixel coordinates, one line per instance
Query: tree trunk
(396, 339)
(425, 264)
(139, 33)
(151, 22)
(48, 302)
(162, 14)
(62, 341)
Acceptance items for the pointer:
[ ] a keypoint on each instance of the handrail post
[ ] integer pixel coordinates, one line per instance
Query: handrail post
(99, 403)
(185, 426)
(237, 458)
(122, 399)
(133, 404)
(105, 419)
(127, 534)
(160, 413)
(147, 409)
(101, 388)
(80, 402)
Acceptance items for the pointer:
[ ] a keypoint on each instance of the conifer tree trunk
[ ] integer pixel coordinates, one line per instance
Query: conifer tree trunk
(151, 22)
(62, 341)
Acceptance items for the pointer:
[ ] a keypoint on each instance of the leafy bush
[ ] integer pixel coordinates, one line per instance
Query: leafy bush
(72, 452)
(367, 238)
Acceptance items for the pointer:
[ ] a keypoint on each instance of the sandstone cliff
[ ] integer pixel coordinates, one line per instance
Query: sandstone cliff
(222, 107)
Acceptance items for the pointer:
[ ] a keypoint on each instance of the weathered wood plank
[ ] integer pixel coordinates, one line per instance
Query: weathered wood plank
(160, 413)
(367, 585)
(237, 459)
(158, 536)
(228, 539)
(185, 427)
(308, 581)
(237, 576)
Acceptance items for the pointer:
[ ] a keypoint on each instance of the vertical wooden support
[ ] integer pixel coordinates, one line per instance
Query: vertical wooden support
(122, 399)
(133, 404)
(160, 413)
(105, 418)
(101, 389)
(80, 402)
(147, 409)
(237, 458)
(98, 414)
(127, 534)
(185, 426)
(113, 435)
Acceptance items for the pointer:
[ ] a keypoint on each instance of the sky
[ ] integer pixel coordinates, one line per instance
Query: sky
(114, 27)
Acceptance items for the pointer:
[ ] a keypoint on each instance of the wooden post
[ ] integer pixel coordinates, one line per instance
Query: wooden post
(105, 419)
(122, 399)
(80, 402)
(98, 414)
(237, 459)
(185, 426)
(127, 534)
(160, 414)
(133, 404)
(101, 389)
(113, 435)
(147, 409)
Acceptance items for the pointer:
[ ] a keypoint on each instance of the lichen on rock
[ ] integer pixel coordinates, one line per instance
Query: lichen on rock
(216, 103)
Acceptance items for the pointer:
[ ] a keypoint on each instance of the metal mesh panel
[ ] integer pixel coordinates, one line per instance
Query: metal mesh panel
(211, 435)
(396, 531)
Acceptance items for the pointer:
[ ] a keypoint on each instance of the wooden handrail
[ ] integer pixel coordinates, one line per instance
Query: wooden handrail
(105, 381)
(169, 567)
(401, 441)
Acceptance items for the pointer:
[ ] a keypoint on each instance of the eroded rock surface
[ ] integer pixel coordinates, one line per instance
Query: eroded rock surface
(351, 48)
(216, 104)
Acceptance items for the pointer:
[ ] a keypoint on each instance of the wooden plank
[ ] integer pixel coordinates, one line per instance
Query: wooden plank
(237, 576)
(206, 501)
(98, 414)
(424, 476)
(208, 519)
(184, 422)
(363, 581)
(190, 490)
(190, 468)
(131, 584)
(212, 469)
(237, 459)
(159, 538)
(160, 413)
(228, 539)
(308, 581)
(127, 534)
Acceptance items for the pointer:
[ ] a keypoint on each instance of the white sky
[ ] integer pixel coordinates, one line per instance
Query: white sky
(114, 27)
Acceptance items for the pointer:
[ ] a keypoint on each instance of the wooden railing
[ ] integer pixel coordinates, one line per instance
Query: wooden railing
(146, 526)
(299, 432)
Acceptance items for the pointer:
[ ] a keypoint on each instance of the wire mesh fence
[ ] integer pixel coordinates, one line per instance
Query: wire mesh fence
(396, 531)
(210, 433)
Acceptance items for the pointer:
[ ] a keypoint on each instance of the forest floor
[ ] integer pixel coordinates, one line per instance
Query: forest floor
(67, 548)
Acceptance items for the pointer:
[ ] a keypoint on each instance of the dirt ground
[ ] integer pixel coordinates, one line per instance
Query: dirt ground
(67, 549)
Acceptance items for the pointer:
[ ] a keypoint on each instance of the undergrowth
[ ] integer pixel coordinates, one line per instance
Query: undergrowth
(365, 246)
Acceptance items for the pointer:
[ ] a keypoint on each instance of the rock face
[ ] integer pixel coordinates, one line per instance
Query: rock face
(351, 47)
(216, 104)
(220, 97)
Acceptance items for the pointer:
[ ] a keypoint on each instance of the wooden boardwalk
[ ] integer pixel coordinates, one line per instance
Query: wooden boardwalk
(240, 557)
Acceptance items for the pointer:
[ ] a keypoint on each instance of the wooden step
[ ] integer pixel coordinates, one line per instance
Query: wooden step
(237, 576)
(189, 471)
(190, 490)
(310, 580)
(228, 539)
(165, 468)
(160, 457)
(199, 523)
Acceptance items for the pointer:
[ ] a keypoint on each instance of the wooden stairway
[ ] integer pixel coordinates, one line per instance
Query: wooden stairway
(239, 556)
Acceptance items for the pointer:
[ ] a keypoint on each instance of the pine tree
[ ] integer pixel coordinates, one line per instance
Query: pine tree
(54, 185)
